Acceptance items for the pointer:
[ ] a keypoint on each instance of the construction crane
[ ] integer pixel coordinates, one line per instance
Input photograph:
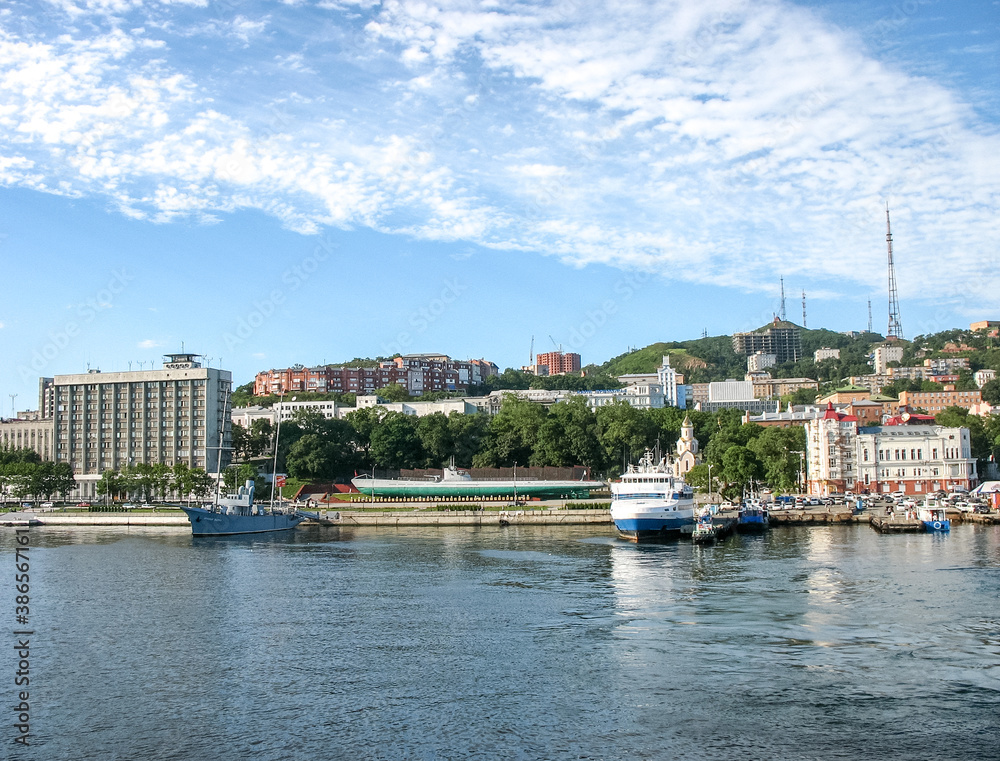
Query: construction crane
(557, 346)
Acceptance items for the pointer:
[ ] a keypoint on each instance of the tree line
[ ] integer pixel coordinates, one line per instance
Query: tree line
(314, 448)
(23, 474)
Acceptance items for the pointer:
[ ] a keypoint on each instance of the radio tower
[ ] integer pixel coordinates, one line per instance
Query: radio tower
(895, 329)
(782, 299)
(803, 309)
(869, 315)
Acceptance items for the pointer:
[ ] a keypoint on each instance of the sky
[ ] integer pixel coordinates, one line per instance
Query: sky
(271, 183)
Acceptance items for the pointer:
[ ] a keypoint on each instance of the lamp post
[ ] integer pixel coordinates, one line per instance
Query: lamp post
(277, 433)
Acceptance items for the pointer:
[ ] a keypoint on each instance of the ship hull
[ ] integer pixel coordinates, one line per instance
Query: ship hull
(208, 523)
(653, 524)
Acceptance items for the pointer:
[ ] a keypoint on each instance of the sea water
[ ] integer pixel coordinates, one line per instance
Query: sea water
(828, 642)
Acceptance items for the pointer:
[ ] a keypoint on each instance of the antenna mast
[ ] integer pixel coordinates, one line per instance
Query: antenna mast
(895, 329)
(803, 309)
(782, 299)
(870, 316)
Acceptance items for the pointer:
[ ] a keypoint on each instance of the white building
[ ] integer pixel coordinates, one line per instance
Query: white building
(761, 361)
(982, 377)
(820, 354)
(886, 353)
(916, 459)
(670, 382)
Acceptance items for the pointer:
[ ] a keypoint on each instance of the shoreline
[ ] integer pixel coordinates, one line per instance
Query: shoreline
(419, 515)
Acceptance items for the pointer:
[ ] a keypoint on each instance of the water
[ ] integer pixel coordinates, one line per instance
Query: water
(518, 643)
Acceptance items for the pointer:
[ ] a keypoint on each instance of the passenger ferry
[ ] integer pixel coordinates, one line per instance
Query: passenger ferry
(650, 502)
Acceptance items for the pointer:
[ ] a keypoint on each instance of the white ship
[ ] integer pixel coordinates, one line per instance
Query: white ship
(650, 502)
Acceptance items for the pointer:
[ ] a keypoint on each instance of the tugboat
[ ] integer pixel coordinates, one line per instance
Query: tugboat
(753, 516)
(650, 502)
(705, 532)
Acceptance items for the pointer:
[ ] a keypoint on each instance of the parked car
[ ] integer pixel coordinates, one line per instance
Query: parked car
(83, 504)
(48, 505)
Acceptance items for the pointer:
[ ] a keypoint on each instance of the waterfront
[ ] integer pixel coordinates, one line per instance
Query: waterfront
(533, 642)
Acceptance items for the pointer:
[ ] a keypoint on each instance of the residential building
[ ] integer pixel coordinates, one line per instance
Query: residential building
(106, 421)
(760, 361)
(846, 395)
(29, 430)
(794, 415)
(736, 394)
(558, 362)
(820, 354)
(766, 387)
(982, 377)
(945, 365)
(781, 338)
(417, 373)
(935, 401)
(830, 452)
(886, 353)
(992, 327)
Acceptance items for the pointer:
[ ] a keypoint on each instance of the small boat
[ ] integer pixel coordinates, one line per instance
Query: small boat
(933, 517)
(237, 514)
(650, 502)
(705, 531)
(753, 516)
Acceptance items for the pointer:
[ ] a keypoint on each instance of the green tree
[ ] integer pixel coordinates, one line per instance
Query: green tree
(991, 392)
(569, 436)
(512, 434)
(395, 442)
(437, 439)
(777, 449)
(365, 420)
(740, 471)
(394, 393)
(624, 431)
(468, 432)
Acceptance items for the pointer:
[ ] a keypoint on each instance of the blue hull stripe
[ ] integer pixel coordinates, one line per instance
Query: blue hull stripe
(631, 525)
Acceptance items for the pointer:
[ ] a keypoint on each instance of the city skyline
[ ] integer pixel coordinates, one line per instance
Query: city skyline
(273, 183)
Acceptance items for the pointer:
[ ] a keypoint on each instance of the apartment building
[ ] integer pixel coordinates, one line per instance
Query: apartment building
(105, 421)
(417, 373)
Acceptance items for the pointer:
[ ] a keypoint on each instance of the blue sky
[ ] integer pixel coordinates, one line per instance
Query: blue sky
(299, 181)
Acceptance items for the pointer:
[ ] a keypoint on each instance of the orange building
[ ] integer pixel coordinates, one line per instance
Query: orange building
(559, 363)
(935, 401)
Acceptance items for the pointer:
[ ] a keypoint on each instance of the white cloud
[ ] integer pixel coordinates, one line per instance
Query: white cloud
(149, 343)
(718, 142)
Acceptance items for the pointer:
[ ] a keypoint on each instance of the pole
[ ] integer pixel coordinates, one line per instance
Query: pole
(277, 432)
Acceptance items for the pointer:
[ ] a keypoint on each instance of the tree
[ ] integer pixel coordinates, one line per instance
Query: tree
(395, 442)
(512, 434)
(624, 431)
(740, 470)
(991, 392)
(569, 436)
(365, 420)
(394, 393)
(260, 438)
(468, 432)
(325, 454)
(437, 439)
(777, 449)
